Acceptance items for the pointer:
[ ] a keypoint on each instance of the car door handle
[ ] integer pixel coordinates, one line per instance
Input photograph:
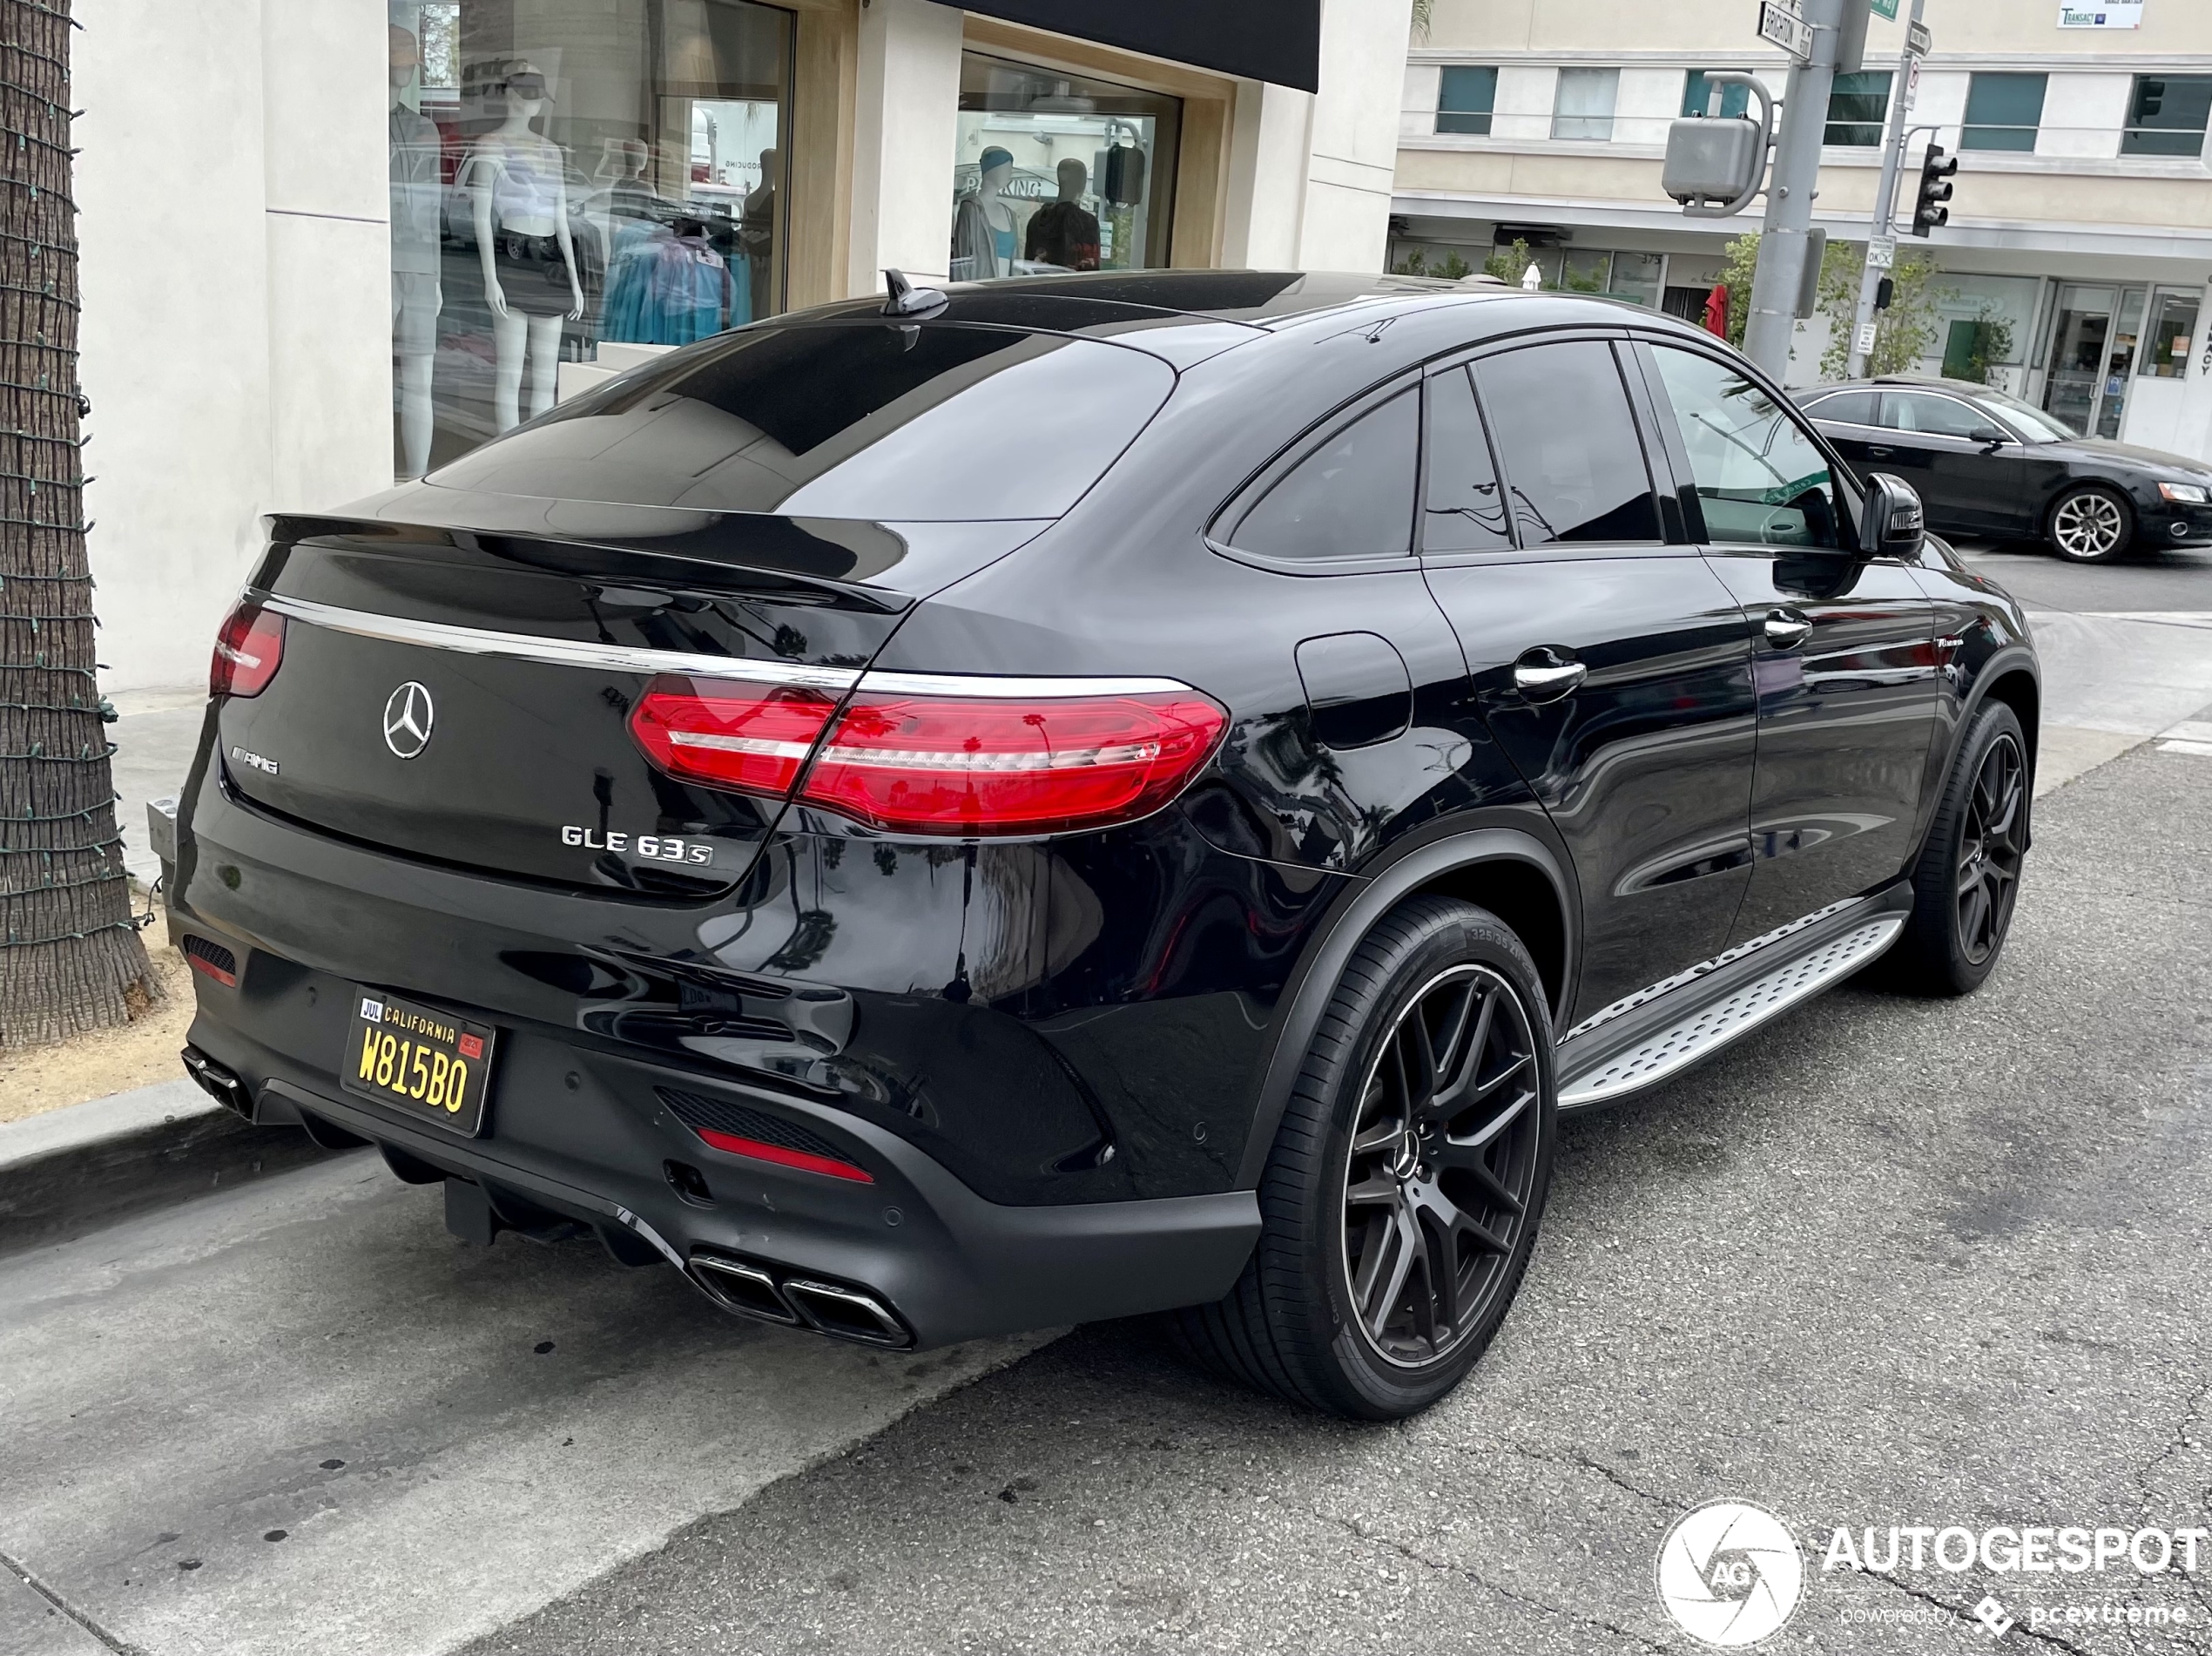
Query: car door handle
(1786, 629)
(1880, 451)
(1544, 675)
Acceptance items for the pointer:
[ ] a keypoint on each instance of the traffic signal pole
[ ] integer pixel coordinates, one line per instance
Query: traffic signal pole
(1786, 233)
(1884, 228)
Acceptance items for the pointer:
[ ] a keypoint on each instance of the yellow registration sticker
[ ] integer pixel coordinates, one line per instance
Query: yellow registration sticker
(419, 1059)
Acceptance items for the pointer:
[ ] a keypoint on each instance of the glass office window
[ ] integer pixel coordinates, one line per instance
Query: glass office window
(2166, 115)
(1697, 95)
(1857, 108)
(558, 181)
(2173, 335)
(2003, 111)
(1466, 95)
(1584, 108)
(1053, 171)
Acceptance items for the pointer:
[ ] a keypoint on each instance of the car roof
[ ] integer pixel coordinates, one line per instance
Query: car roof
(1122, 303)
(1902, 381)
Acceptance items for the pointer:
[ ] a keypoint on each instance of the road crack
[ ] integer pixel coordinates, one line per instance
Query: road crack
(1928, 1597)
(1414, 1556)
(21, 1572)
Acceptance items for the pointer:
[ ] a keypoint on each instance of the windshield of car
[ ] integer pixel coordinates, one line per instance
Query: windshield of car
(2031, 421)
(916, 424)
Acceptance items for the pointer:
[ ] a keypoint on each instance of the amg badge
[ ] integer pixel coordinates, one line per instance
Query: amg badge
(660, 847)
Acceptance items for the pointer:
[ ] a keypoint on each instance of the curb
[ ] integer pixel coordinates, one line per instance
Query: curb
(89, 1164)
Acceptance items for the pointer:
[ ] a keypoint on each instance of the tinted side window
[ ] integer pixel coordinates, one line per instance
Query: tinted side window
(934, 422)
(1351, 497)
(1761, 480)
(1940, 417)
(1466, 511)
(1573, 466)
(1846, 408)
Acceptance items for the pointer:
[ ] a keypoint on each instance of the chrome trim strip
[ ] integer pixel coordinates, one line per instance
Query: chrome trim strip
(1013, 689)
(568, 653)
(1713, 1027)
(1691, 973)
(579, 652)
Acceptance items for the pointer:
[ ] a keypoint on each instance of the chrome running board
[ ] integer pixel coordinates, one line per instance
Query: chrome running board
(1700, 1016)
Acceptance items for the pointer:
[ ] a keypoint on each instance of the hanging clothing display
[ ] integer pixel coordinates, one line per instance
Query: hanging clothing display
(974, 248)
(1063, 234)
(667, 289)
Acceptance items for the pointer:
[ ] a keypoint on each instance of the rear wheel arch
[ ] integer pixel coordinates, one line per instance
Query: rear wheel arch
(1507, 870)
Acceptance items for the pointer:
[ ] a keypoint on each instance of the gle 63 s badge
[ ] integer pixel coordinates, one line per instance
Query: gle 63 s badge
(660, 847)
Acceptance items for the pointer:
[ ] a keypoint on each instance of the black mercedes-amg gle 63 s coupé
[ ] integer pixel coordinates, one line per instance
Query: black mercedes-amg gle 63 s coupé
(1058, 799)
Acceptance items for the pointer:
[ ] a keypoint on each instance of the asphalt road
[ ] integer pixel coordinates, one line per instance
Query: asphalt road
(1892, 1262)
(1887, 1262)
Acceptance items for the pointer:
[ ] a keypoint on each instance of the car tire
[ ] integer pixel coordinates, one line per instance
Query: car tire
(1966, 883)
(1381, 1185)
(2089, 524)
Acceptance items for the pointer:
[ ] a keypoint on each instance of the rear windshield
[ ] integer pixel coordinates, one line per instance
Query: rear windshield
(857, 420)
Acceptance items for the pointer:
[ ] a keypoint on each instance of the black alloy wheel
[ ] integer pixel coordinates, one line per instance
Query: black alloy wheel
(1402, 1197)
(1442, 1165)
(1966, 881)
(1990, 851)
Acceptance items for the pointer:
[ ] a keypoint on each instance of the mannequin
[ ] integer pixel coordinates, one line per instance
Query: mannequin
(417, 194)
(1064, 232)
(983, 224)
(757, 235)
(516, 177)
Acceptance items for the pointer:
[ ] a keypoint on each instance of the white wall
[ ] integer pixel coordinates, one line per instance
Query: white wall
(174, 335)
(2083, 115)
(906, 104)
(1353, 143)
(236, 330)
(1523, 107)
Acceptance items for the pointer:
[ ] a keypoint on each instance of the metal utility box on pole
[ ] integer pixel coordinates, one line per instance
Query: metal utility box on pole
(1784, 241)
(1881, 241)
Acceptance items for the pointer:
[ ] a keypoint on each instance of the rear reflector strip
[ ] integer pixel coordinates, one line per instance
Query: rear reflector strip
(757, 1150)
(212, 960)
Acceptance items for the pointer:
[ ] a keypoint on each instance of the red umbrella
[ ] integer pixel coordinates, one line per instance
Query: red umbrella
(1716, 310)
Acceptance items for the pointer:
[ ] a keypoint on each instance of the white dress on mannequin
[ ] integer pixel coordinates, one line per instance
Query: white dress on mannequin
(519, 194)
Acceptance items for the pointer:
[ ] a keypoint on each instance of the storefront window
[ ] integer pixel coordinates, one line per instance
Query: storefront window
(559, 180)
(2173, 332)
(1054, 172)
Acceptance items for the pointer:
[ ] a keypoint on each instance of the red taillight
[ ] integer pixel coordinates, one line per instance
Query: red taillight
(952, 764)
(249, 647)
(737, 736)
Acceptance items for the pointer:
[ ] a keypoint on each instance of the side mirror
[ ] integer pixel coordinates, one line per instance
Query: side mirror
(1894, 525)
(1988, 435)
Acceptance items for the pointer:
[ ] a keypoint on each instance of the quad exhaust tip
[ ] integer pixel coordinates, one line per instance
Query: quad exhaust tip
(833, 1309)
(218, 1083)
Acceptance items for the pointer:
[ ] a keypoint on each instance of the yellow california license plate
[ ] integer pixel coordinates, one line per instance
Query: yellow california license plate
(418, 1059)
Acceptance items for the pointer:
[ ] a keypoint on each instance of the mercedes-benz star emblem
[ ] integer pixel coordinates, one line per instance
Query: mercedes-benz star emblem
(407, 718)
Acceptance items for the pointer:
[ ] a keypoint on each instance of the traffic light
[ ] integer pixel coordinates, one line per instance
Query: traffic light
(1936, 173)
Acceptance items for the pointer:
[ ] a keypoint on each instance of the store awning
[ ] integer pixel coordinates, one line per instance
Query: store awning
(1275, 40)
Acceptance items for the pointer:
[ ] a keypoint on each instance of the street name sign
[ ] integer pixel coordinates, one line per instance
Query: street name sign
(1786, 27)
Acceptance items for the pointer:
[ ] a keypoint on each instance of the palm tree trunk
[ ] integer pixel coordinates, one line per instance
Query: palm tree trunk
(70, 959)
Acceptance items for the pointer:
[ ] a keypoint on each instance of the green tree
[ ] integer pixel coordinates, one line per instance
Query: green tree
(1903, 334)
(1424, 15)
(1743, 265)
(1509, 266)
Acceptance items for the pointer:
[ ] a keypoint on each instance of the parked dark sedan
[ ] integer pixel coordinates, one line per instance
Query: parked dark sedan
(1990, 465)
(1069, 799)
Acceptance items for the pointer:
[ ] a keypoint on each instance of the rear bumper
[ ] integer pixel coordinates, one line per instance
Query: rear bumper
(584, 1136)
